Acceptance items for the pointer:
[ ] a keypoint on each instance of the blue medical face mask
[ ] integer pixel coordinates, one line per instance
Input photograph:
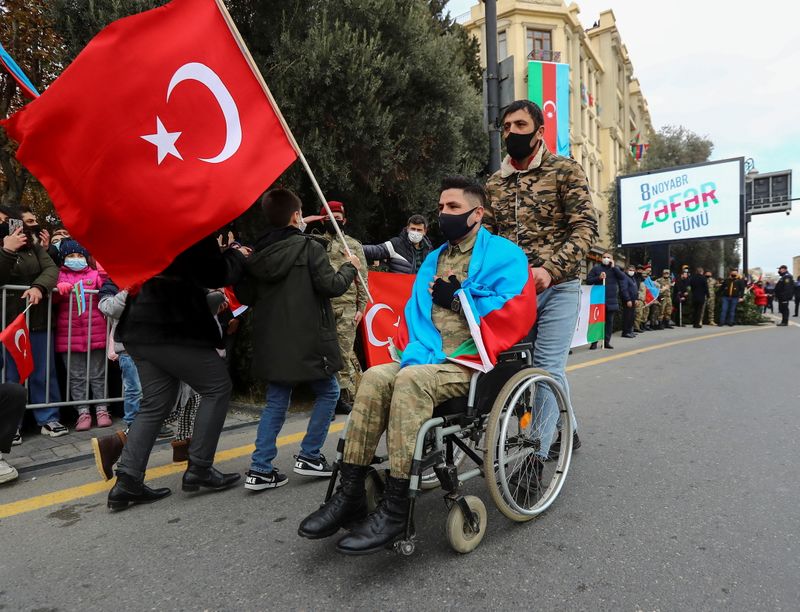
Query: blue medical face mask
(76, 264)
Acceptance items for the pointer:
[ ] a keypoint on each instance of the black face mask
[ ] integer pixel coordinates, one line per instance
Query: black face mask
(519, 145)
(330, 229)
(455, 226)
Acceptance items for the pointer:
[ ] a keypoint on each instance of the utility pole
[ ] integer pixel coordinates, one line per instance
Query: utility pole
(492, 85)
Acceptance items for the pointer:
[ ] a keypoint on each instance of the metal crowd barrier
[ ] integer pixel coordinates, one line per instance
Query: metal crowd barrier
(90, 297)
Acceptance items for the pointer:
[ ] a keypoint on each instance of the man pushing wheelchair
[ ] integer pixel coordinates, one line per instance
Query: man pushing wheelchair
(473, 298)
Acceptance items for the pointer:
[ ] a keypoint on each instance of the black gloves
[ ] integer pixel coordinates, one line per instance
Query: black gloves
(443, 292)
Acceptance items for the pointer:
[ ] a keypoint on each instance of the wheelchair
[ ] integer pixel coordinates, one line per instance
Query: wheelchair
(499, 426)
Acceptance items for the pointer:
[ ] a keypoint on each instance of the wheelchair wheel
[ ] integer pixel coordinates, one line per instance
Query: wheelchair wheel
(521, 483)
(459, 533)
(375, 485)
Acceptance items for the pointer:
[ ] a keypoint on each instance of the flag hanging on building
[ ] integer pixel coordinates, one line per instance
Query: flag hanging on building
(17, 340)
(637, 148)
(591, 325)
(652, 291)
(548, 86)
(381, 321)
(17, 74)
(155, 136)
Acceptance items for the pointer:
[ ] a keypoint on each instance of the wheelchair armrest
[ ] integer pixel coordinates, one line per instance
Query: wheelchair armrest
(514, 353)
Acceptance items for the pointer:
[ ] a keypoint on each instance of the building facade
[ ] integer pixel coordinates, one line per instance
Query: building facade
(608, 111)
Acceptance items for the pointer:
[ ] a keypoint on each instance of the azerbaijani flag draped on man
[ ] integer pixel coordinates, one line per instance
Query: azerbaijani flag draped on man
(498, 299)
(548, 86)
(156, 135)
(591, 325)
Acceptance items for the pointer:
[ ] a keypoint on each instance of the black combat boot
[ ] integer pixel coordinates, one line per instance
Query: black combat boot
(343, 406)
(348, 504)
(207, 477)
(128, 491)
(383, 526)
(668, 325)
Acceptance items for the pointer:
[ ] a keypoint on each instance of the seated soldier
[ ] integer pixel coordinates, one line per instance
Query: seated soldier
(487, 277)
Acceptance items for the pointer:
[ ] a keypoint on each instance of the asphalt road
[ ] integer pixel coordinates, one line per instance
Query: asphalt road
(683, 496)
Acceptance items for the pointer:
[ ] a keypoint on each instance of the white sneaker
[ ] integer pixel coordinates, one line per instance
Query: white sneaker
(7, 472)
(54, 429)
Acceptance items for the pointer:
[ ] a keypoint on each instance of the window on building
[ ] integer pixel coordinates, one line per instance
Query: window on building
(540, 43)
(502, 46)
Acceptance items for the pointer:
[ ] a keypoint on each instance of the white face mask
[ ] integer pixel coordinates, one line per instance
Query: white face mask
(415, 237)
(606, 261)
(631, 272)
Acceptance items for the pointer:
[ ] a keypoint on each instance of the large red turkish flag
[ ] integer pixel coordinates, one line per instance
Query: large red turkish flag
(158, 134)
(17, 340)
(382, 318)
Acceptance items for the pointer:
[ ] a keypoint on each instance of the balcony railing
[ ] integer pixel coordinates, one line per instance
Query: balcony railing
(545, 55)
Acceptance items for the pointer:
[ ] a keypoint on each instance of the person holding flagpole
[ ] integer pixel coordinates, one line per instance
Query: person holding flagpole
(612, 278)
(541, 202)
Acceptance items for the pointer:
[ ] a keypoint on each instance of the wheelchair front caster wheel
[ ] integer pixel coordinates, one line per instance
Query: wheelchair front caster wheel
(405, 547)
(375, 485)
(460, 534)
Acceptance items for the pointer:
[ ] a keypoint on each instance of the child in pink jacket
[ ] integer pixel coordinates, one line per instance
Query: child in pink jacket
(73, 334)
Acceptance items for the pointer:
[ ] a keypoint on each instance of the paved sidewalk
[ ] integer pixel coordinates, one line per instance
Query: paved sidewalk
(38, 451)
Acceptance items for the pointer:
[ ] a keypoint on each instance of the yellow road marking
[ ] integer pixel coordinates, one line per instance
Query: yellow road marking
(654, 347)
(93, 488)
(66, 495)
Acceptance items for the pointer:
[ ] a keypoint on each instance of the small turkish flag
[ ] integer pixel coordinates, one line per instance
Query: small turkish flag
(17, 341)
(156, 135)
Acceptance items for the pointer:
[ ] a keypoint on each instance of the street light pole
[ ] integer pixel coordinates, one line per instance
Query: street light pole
(492, 85)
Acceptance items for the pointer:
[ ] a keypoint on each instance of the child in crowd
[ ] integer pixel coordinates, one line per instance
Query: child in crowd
(80, 331)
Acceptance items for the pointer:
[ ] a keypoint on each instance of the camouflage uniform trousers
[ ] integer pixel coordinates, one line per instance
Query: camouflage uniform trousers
(399, 402)
(350, 373)
(666, 308)
(642, 314)
(710, 304)
(655, 312)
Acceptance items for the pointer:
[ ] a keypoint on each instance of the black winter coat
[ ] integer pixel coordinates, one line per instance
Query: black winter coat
(30, 266)
(732, 287)
(629, 290)
(172, 308)
(400, 253)
(289, 282)
(615, 278)
(699, 286)
(784, 288)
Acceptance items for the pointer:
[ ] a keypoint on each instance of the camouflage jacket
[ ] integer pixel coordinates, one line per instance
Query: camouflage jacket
(546, 210)
(665, 288)
(712, 288)
(355, 294)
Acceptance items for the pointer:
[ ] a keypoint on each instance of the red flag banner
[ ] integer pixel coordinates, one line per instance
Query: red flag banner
(17, 340)
(155, 136)
(382, 318)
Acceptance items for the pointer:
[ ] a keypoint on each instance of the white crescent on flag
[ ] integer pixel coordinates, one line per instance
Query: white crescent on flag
(17, 337)
(368, 323)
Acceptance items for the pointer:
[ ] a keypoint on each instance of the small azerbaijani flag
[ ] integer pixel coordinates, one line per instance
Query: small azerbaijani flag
(652, 291)
(548, 86)
(80, 297)
(591, 324)
(16, 72)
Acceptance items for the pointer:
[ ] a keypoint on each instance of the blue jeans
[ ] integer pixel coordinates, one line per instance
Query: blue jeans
(326, 392)
(131, 387)
(728, 314)
(38, 379)
(557, 314)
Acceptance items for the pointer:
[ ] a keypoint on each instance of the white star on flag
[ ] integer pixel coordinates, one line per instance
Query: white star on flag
(164, 140)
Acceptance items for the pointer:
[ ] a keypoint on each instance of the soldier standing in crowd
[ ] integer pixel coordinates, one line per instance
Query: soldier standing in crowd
(712, 296)
(784, 292)
(349, 307)
(664, 285)
(642, 311)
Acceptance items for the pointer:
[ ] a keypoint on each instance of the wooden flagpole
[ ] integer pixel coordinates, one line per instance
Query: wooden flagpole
(257, 73)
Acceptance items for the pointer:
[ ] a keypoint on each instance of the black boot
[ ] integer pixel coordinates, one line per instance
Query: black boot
(128, 491)
(382, 527)
(668, 325)
(207, 477)
(348, 504)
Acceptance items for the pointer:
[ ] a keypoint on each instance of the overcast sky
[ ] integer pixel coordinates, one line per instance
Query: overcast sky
(725, 73)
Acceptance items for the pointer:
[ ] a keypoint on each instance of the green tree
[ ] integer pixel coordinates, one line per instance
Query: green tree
(676, 146)
(28, 34)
